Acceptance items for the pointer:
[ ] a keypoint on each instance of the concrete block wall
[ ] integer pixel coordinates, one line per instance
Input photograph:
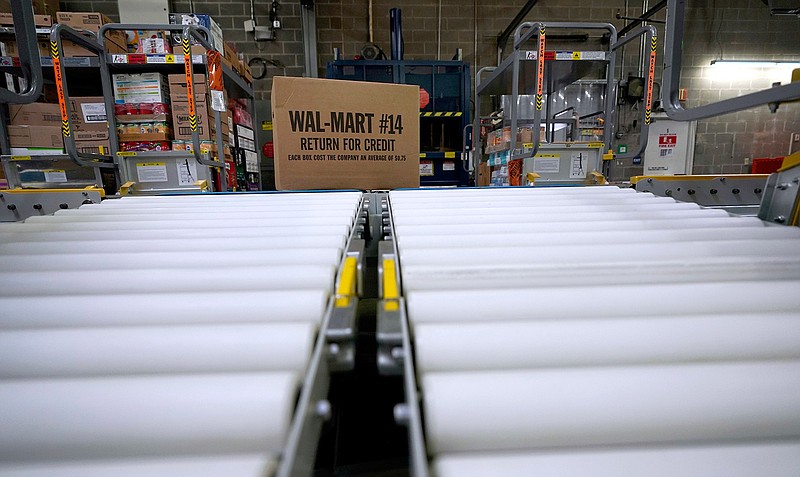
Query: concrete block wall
(734, 29)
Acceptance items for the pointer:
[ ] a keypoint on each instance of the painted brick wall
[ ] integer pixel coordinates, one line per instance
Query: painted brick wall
(734, 29)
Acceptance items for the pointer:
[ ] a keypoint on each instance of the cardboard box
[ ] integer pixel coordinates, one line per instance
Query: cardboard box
(90, 135)
(91, 21)
(35, 136)
(229, 52)
(484, 175)
(141, 88)
(7, 19)
(181, 125)
(45, 7)
(213, 27)
(333, 134)
(9, 48)
(34, 114)
(88, 115)
(248, 72)
(93, 147)
(178, 91)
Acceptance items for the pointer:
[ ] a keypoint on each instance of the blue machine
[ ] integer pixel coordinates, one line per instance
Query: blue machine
(442, 120)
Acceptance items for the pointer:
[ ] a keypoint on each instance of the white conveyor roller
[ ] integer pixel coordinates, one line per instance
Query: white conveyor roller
(163, 308)
(267, 244)
(79, 352)
(510, 226)
(577, 302)
(587, 238)
(166, 280)
(606, 341)
(572, 331)
(567, 407)
(110, 417)
(236, 465)
(195, 259)
(773, 459)
(34, 233)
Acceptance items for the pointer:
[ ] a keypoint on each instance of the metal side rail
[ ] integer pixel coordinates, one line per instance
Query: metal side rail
(781, 203)
(334, 351)
(395, 354)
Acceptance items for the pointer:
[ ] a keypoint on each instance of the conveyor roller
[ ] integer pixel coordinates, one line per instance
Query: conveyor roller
(169, 335)
(597, 331)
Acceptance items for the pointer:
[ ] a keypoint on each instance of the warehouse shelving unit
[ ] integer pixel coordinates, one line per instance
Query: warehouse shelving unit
(541, 73)
(443, 159)
(80, 75)
(37, 185)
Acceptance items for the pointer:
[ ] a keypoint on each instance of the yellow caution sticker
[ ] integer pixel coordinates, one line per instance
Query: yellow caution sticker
(596, 145)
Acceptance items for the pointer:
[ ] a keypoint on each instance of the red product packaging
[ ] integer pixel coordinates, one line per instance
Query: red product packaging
(127, 108)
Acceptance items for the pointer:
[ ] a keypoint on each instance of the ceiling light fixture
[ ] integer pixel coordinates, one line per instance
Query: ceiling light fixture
(757, 63)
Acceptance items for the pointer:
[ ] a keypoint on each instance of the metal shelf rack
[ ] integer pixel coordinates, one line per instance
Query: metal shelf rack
(541, 73)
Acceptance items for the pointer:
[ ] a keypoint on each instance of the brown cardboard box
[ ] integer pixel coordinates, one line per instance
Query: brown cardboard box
(248, 73)
(35, 136)
(484, 175)
(10, 48)
(45, 7)
(90, 135)
(88, 114)
(333, 134)
(39, 20)
(230, 52)
(93, 147)
(91, 21)
(71, 50)
(180, 121)
(116, 42)
(34, 114)
(178, 91)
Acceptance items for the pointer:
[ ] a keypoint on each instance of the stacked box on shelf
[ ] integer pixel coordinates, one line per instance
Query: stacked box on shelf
(35, 126)
(245, 154)
(90, 21)
(89, 124)
(206, 125)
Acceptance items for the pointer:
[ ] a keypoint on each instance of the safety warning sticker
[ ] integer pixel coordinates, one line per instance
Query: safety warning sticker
(152, 171)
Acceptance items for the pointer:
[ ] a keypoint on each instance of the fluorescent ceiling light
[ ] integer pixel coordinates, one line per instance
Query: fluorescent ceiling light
(756, 63)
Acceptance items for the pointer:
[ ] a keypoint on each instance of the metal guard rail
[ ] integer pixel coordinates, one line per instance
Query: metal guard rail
(59, 30)
(651, 37)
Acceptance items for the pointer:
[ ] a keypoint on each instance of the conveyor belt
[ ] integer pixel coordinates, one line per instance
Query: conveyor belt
(166, 335)
(599, 331)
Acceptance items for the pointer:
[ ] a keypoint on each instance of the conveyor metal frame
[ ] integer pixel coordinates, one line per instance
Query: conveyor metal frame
(781, 202)
(19, 204)
(395, 354)
(334, 350)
